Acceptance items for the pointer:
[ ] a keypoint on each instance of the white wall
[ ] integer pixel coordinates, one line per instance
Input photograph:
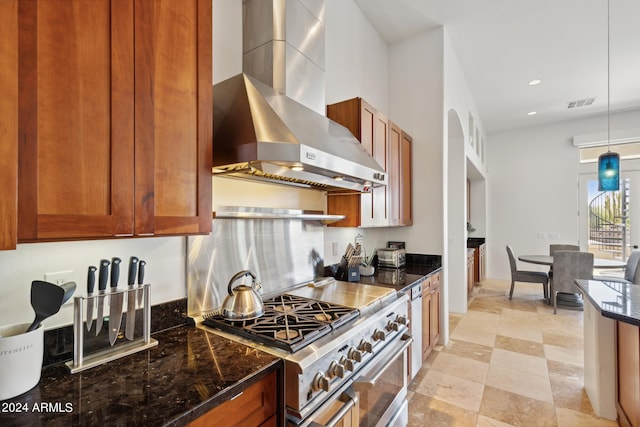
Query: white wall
(532, 187)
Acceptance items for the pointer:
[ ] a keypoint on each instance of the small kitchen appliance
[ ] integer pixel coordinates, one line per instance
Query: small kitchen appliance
(391, 257)
(20, 358)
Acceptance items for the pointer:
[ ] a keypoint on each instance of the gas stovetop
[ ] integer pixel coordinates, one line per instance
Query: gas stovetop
(290, 322)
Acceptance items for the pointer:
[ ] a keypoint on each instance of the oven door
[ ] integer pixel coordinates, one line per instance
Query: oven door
(381, 388)
(339, 411)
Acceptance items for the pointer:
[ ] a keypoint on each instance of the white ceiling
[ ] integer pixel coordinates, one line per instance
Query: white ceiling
(501, 45)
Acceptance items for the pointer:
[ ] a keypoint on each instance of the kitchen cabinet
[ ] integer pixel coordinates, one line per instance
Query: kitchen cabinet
(254, 406)
(426, 318)
(371, 128)
(628, 375)
(114, 118)
(479, 263)
(430, 314)
(400, 200)
(434, 312)
(8, 123)
(470, 270)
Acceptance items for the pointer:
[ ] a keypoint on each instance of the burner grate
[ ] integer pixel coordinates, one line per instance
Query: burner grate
(290, 322)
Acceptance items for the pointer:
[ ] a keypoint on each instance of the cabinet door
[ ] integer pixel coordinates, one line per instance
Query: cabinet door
(426, 318)
(395, 136)
(405, 192)
(75, 119)
(434, 312)
(628, 365)
(8, 123)
(374, 205)
(173, 110)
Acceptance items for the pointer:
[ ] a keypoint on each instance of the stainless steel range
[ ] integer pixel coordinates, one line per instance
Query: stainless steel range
(344, 347)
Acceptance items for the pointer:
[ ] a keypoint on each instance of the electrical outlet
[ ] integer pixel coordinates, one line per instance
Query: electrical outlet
(334, 248)
(59, 277)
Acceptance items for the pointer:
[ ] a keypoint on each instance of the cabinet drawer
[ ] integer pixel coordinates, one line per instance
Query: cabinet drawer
(254, 406)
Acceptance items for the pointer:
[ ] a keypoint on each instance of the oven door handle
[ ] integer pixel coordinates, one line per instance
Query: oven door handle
(352, 401)
(364, 383)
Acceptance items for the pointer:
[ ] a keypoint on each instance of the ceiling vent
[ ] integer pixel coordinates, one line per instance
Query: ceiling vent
(580, 103)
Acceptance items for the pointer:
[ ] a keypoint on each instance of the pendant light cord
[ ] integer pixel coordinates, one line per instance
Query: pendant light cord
(608, 79)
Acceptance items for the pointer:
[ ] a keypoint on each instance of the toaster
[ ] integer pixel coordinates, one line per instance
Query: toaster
(391, 257)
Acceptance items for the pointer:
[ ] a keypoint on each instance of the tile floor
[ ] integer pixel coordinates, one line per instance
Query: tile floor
(507, 363)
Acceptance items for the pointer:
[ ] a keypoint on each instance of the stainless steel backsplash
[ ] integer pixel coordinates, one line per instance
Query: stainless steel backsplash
(281, 252)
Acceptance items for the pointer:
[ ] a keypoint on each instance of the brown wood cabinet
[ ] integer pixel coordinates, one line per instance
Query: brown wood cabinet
(470, 270)
(430, 313)
(254, 406)
(479, 263)
(434, 312)
(426, 318)
(114, 118)
(372, 130)
(628, 375)
(400, 206)
(8, 123)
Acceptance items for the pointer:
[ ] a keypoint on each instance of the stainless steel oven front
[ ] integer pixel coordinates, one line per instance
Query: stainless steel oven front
(381, 389)
(377, 397)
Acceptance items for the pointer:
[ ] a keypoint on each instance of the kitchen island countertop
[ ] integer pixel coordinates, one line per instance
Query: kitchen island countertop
(615, 300)
(187, 374)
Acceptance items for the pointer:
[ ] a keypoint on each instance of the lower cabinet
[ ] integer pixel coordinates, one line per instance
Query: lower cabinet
(470, 270)
(628, 366)
(430, 314)
(257, 405)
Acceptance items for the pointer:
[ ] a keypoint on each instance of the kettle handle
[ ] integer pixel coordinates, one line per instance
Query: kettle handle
(239, 275)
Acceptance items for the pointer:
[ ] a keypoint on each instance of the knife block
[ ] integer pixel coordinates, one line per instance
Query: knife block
(99, 350)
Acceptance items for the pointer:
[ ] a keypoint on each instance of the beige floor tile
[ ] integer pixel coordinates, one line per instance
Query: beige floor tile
(520, 362)
(515, 409)
(565, 369)
(519, 345)
(569, 393)
(479, 352)
(484, 421)
(428, 411)
(525, 384)
(572, 356)
(451, 389)
(561, 339)
(570, 418)
(477, 327)
(462, 367)
(520, 324)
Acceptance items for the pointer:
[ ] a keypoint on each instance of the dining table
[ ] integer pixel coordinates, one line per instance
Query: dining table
(597, 262)
(572, 301)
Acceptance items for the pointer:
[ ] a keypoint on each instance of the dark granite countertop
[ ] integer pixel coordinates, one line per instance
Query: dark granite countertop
(616, 300)
(187, 374)
(474, 242)
(401, 279)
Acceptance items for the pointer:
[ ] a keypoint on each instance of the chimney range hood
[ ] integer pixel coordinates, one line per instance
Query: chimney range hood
(263, 135)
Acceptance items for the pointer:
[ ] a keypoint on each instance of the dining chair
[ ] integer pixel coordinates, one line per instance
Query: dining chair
(526, 276)
(631, 271)
(567, 267)
(560, 247)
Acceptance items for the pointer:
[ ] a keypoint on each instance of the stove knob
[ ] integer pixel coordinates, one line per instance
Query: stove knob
(401, 320)
(355, 355)
(336, 369)
(392, 326)
(365, 346)
(348, 364)
(379, 335)
(320, 382)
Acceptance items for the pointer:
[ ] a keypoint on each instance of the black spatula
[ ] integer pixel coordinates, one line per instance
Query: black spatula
(47, 298)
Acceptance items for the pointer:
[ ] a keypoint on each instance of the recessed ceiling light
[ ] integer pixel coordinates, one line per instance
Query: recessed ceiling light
(535, 82)
(532, 113)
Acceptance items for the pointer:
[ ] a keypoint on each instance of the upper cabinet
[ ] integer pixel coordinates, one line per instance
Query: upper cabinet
(391, 148)
(8, 123)
(114, 118)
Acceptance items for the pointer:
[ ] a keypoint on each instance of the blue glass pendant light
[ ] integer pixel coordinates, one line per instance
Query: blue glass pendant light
(608, 163)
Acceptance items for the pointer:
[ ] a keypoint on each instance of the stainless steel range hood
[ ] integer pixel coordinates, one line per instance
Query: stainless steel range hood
(260, 134)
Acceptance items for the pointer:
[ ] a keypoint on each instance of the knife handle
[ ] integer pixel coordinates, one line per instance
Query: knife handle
(133, 270)
(103, 275)
(91, 279)
(141, 265)
(115, 272)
